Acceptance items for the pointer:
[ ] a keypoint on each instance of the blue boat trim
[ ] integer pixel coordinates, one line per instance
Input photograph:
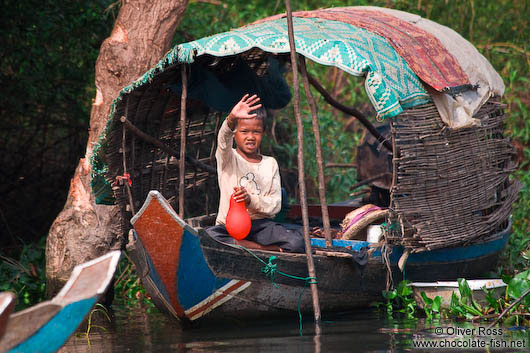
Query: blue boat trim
(355, 244)
(439, 255)
(53, 335)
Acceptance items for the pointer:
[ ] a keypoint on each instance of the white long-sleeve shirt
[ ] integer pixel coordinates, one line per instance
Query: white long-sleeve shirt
(261, 180)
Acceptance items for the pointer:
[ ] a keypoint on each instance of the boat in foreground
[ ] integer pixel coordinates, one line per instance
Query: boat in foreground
(7, 304)
(45, 327)
(189, 274)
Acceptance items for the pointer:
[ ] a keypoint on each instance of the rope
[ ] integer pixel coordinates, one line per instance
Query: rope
(270, 271)
(300, 331)
(387, 227)
(385, 254)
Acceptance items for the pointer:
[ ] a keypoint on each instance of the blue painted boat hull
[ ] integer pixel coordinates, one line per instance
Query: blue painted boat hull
(45, 327)
(53, 335)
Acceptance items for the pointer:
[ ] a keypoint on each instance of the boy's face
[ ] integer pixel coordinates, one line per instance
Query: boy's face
(248, 136)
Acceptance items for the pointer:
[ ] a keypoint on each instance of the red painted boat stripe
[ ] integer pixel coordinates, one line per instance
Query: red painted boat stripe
(216, 299)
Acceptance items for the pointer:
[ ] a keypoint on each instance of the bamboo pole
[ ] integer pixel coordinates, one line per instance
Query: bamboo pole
(318, 150)
(182, 160)
(301, 174)
(126, 182)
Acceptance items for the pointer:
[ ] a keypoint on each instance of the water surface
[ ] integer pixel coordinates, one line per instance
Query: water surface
(141, 329)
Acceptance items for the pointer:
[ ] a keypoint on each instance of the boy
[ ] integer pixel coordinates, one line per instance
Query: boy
(254, 178)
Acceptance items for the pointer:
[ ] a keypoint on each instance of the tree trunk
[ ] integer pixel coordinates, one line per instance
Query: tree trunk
(83, 230)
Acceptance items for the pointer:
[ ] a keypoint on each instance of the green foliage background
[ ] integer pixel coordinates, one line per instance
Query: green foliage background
(47, 61)
(47, 86)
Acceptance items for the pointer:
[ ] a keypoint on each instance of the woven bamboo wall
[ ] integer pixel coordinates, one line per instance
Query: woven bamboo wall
(157, 113)
(450, 187)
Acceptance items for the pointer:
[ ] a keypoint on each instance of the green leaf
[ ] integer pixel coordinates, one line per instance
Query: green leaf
(470, 309)
(523, 275)
(392, 294)
(465, 291)
(404, 289)
(437, 304)
(426, 299)
(517, 286)
(428, 313)
(490, 298)
(454, 299)
(477, 306)
(506, 279)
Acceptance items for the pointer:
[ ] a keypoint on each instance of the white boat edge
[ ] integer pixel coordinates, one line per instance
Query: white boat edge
(474, 284)
(115, 257)
(154, 194)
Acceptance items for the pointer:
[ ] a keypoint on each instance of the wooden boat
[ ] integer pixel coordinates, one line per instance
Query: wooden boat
(445, 290)
(189, 274)
(7, 304)
(45, 327)
(442, 171)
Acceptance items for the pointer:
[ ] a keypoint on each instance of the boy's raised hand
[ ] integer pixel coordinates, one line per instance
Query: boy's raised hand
(242, 109)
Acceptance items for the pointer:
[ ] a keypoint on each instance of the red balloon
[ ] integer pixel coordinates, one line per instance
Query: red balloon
(237, 220)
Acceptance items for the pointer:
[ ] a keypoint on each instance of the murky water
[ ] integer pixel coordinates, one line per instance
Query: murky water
(137, 329)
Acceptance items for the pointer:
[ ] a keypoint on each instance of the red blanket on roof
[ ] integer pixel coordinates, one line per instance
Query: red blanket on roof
(422, 51)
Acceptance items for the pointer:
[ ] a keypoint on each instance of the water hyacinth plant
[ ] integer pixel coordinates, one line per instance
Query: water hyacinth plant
(512, 307)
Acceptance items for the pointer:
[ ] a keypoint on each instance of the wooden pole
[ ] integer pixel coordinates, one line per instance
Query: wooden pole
(301, 174)
(182, 160)
(318, 150)
(126, 182)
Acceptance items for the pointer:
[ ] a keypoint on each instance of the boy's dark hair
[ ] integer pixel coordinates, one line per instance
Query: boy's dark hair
(261, 115)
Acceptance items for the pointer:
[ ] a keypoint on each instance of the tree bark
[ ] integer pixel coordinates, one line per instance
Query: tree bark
(83, 230)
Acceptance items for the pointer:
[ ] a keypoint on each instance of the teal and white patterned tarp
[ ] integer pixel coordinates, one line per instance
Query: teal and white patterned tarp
(390, 83)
